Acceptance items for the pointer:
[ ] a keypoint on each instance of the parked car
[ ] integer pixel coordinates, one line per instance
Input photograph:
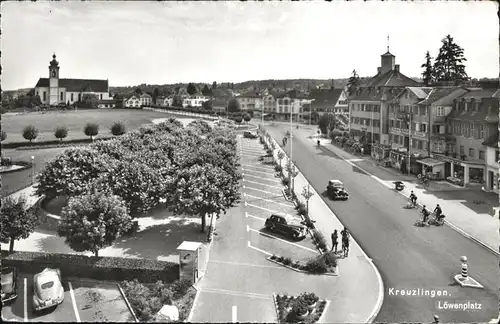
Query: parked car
(48, 290)
(287, 225)
(9, 284)
(250, 135)
(335, 190)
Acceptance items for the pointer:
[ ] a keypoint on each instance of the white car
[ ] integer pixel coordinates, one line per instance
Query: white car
(48, 290)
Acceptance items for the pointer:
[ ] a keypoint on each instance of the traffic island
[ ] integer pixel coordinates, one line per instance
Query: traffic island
(325, 264)
(306, 308)
(464, 279)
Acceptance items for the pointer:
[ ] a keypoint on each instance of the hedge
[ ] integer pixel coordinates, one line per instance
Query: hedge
(98, 268)
(55, 143)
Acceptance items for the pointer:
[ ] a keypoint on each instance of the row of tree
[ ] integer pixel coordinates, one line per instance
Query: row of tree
(192, 170)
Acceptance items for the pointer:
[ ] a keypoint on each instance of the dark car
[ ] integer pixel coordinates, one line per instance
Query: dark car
(251, 135)
(9, 284)
(287, 225)
(335, 190)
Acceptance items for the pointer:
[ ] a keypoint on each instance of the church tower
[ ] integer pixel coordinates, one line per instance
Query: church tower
(54, 81)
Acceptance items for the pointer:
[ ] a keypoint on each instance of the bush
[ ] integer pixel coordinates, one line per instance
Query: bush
(30, 133)
(285, 181)
(99, 268)
(320, 240)
(309, 298)
(299, 307)
(278, 168)
(61, 132)
(118, 128)
(91, 130)
(287, 261)
(3, 135)
(180, 287)
(279, 258)
(273, 257)
(247, 118)
(316, 266)
(6, 161)
(329, 258)
(238, 119)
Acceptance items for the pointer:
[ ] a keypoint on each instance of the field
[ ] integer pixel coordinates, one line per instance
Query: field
(74, 121)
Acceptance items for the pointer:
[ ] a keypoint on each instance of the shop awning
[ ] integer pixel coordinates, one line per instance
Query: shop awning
(430, 162)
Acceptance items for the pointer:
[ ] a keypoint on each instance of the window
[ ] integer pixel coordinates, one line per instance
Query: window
(481, 131)
(481, 155)
(420, 145)
(462, 128)
(471, 152)
(423, 128)
(72, 96)
(44, 96)
(473, 130)
(462, 149)
(362, 107)
(467, 129)
(53, 73)
(62, 98)
(391, 123)
(440, 111)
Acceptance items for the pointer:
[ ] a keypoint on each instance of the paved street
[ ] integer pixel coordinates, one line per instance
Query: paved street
(407, 257)
(239, 280)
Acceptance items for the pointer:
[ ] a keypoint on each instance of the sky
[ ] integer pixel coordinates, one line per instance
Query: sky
(130, 43)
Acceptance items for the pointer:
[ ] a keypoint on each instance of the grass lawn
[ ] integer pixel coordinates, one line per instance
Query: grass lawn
(75, 121)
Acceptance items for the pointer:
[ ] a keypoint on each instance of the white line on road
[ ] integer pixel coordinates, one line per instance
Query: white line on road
(235, 293)
(282, 240)
(269, 200)
(263, 208)
(254, 171)
(256, 217)
(262, 184)
(234, 315)
(253, 176)
(248, 228)
(249, 155)
(260, 151)
(277, 194)
(25, 299)
(258, 167)
(257, 249)
(247, 264)
(75, 308)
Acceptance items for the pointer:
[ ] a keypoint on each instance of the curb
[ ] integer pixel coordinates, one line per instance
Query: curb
(195, 301)
(380, 297)
(454, 227)
(127, 302)
(303, 271)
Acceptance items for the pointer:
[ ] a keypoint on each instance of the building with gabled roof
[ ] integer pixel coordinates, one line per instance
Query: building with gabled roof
(251, 100)
(368, 105)
(54, 90)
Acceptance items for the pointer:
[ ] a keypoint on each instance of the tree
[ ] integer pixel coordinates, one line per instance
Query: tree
(93, 221)
(203, 190)
(353, 82)
(233, 105)
(61, 132)
(118, 128)
(191, 89)
(91, 129)
(207, 105)
(323, 123)
(238, 119)
(89, 100)
(138, 91)
(30, 133)
(3, 136)
(214, 85)
(247, 118)
(428, 73)
(177, 101)
(202, 126)
(448, 65)
(155, 95)
(17, 220)
(206, 91)
(307, 194)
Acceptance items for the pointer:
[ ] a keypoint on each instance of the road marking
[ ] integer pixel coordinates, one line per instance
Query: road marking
(249, 155)
(354, 160)
(262, 184)
(257, 249)
(260, 167)
(75, 308)
(279, 194)
(246, 264)
(256, 217)
(248, 228)
(253, 176)
(25, 299)
(263, 208)
(234, 315)
(269, 200)
(280, 239)
(235, 293)
(254, 171)
(247, 150)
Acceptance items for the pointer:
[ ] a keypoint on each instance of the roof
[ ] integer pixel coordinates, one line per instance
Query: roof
(420, 92)
(145, 95)
(325, 97)
(292, 94)
(443, 96)
(492, 140)
(78, 85)
(218, 102)
(388, 54)
(391, 78)
(107, 101)
(478, 94)
(189, 246)
(430, 162)
(250, 94)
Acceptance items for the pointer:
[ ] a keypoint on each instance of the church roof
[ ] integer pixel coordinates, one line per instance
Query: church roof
(77, 85)
(392, 78)
(325, 97)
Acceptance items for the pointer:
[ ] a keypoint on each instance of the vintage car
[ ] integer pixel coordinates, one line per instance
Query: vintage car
(335, 190)
(48, 290)
(9, 284)
(250, 135)
(286, 224)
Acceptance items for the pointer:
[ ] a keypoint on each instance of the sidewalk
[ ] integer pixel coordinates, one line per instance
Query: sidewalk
(471, 220)
(358, 291)
(28, 193)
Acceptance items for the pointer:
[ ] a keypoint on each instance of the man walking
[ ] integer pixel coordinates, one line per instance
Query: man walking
(345, 241)
(335, 242)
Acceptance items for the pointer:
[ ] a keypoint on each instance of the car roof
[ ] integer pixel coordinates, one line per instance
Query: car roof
(335, 181)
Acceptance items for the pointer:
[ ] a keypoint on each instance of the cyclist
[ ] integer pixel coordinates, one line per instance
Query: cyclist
(413, 199)
(425, 214)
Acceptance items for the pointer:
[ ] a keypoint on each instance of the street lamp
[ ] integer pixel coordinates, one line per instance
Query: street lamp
(32, 169)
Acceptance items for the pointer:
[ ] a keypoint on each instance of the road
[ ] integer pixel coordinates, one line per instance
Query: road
(406, 256)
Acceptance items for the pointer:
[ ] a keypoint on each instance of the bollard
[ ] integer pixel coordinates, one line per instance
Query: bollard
(436, 319)
(464, 267)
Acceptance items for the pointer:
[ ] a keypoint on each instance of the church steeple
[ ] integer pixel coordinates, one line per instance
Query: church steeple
(54, 67)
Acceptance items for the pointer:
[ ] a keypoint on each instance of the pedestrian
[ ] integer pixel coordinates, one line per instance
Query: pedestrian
(345, 241)
(335, 242)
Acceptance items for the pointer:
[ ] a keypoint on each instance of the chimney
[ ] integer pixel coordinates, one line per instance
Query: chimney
(378, 70)
(396, 67)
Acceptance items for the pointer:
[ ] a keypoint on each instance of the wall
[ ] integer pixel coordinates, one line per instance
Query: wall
(491, 158)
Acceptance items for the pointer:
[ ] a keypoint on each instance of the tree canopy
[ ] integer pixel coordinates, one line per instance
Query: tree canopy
(448, 65)
(17, 220)
(191, 89)
(353, 82)
(428, 73)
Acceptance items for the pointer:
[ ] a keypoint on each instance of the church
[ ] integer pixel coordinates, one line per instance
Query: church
(53, 90)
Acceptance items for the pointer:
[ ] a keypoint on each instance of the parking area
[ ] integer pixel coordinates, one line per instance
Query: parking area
(84, 301)
(263, 196)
